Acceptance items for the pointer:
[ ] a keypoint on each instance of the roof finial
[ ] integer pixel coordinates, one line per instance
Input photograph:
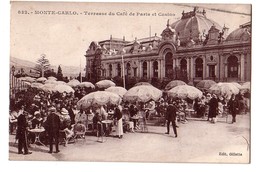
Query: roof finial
(168, 23)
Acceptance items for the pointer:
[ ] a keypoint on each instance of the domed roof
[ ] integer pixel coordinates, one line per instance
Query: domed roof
(240, 34)
(193, 23)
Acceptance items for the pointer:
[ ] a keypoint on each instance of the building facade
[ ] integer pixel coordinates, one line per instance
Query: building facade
(191, 49)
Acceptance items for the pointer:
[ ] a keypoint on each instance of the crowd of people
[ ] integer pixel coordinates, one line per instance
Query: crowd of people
(56, 112)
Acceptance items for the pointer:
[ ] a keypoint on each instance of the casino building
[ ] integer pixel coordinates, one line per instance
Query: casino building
(191, 49)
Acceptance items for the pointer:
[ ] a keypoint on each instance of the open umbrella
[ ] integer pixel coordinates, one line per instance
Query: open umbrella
(185, 91)
(105, 84)
(36, 85)
(48, 87)
(61, 82)
(205, 84)
(173, 84)
(117, 90)
(236, 84)
(50, 82)
(224, 89)
(63, 88)
(41, 79)
(142, 93)
(73, 83)
(27, 78)
(52, 78)
(142, 83)
(245, 86)
(87, 85)
(98, 98)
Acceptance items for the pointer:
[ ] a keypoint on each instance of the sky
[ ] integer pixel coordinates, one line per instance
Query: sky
(65, 38)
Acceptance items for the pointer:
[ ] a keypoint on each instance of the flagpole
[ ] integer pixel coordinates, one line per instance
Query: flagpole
(80, 71)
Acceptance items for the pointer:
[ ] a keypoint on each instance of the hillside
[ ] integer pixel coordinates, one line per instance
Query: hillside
(70, 71)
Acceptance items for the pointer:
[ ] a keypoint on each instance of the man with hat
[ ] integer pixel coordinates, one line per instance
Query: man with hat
(213, 108)
(53, 127)
(22, 126)
(171, 118)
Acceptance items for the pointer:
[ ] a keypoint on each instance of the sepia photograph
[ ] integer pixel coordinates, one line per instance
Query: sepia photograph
(130, 82)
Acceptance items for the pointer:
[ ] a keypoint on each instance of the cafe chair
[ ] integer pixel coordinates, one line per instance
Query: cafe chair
(90, 122)
(79, 131)
(66, 136)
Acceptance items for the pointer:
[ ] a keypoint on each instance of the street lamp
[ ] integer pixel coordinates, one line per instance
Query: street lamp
(123, 66)
(12, 81)
(13, 70)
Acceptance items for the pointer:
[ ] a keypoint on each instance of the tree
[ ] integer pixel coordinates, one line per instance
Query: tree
(49, 72)
(59, 74)
(42, 65)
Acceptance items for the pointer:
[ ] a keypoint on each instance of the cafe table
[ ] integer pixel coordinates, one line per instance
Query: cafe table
(37, 132)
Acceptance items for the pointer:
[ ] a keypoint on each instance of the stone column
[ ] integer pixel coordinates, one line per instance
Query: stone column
(192, 68)
(220, 68)
(242, 66)
(204, 67)
(248, 66)
(140, 69)
(239, 70)
(163, 68)
(148, 69)
(151, 69)
(226, 71)
(188, 68)
(159, 69)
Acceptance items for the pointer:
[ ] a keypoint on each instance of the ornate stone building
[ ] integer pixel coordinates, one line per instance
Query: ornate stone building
(192, 49)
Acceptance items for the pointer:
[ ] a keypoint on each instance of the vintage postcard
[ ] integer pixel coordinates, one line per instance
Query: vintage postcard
(130, 82)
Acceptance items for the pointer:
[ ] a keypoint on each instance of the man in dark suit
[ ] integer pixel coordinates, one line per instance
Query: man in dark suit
(53, 128)
(22, 126)
(171, 118)
(233, 107)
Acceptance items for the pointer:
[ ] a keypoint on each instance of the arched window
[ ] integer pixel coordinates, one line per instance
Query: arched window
(198, 67)
(110, 70)
(155, 69)
(169, 65)
(144, 69)
(232, 67)
(118, 69)
(184, 66)
(128, 69)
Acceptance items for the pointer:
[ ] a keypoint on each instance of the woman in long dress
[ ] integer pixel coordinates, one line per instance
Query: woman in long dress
(118, 117)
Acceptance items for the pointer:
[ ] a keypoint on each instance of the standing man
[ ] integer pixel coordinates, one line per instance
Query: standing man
(171, 118)
(233, 107)
(118, 116)
(53, 128)
(213, 109)
(22, 127)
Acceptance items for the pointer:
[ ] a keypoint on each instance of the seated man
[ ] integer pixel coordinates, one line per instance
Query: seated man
(127, 124)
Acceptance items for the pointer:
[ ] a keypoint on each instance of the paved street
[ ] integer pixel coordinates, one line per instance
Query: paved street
(198, 141)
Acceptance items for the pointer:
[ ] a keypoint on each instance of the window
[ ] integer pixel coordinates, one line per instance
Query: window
(128, 69)
(118, 70)
(144, 69)
(169, 65)
(155, 69)
(232, 67)
(110, 70)
(135, 72)
(198, 67)
(212, 71)
(184, 66)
